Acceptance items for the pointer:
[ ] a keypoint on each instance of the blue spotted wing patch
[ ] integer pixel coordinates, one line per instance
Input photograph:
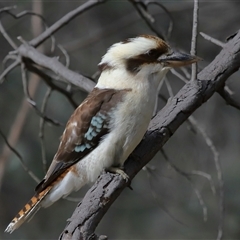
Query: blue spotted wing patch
(98, 127)
(82, 148)
(98, 122)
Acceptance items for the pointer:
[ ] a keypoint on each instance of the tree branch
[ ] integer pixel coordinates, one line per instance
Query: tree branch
(194, 38)
(63, 21)
(142, 9)
(224, 92)
(53, 64)
(49, 82)
(108, 187)
(213, 40)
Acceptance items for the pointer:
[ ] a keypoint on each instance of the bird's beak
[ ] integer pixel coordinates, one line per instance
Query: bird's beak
(178, 59)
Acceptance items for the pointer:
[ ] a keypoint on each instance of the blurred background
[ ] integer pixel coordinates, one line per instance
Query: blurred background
(163, 204)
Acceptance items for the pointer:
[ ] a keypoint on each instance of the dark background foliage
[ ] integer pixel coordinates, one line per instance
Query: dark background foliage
(163, 204)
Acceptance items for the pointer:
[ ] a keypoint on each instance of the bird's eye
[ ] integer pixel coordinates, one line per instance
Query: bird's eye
(153, 53)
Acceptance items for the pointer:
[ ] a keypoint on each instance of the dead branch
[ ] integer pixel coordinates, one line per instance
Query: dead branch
(151, 172)
(142, 8)
(65, 74)
(227, 96)
(188, 177)
(216, 160)
(41, 129)
(48, 80)
(7, 37)
(213, 40)
(32, 102)
(179, 75)
(194, 38)
(9, 69)
(29, 172)
(170, 27)
(63, 21)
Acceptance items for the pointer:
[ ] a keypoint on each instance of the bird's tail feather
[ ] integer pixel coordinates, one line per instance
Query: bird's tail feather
(28, 211)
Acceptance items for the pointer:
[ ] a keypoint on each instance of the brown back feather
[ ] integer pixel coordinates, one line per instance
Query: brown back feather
(98, 103)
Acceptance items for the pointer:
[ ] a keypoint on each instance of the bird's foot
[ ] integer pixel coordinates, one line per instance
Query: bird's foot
(120, 171)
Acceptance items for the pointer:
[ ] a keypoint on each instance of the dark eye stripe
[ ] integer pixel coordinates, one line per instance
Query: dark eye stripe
(154, 54)
(133, 64)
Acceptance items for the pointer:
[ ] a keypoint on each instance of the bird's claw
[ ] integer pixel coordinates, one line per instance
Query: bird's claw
(120, 171)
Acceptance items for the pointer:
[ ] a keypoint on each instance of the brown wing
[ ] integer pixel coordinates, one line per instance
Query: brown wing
(86, 127)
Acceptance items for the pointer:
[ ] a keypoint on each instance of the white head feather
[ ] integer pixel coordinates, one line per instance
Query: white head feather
(118, 53)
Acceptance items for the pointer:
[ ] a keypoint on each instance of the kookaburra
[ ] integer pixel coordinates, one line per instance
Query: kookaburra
(111, 121)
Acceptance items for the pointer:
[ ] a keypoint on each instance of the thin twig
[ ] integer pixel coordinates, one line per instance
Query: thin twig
(15, 131)
(177, 74)
(30, 173)
(32, 102)
(228, 90)
(95, 75)
(213, 40)
(187, 176)
(41, 129)
(5, 9)
(227, 96)
(141, 8)
(49, 82)
(207, 176)
(7, 37)
(156, 104)
(170, 27)
(215, 153)
(185, 72)
(4, 62)
(9, 69)
(7, 58)
(169, 87)
(200, 200)
(150, 171)
(63, 21)
(72, 199)
(194, 38)
(65, 53)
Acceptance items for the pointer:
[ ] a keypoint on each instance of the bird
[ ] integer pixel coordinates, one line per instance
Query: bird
(108, 125)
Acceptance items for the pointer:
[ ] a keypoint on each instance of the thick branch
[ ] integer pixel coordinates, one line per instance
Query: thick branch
(53, 64)
(99, 198)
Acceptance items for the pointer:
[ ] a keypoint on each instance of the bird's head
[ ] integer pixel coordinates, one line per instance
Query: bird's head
(144, 51)
(140, 58)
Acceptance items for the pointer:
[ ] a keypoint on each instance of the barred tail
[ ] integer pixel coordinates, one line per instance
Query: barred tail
(28, 211)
